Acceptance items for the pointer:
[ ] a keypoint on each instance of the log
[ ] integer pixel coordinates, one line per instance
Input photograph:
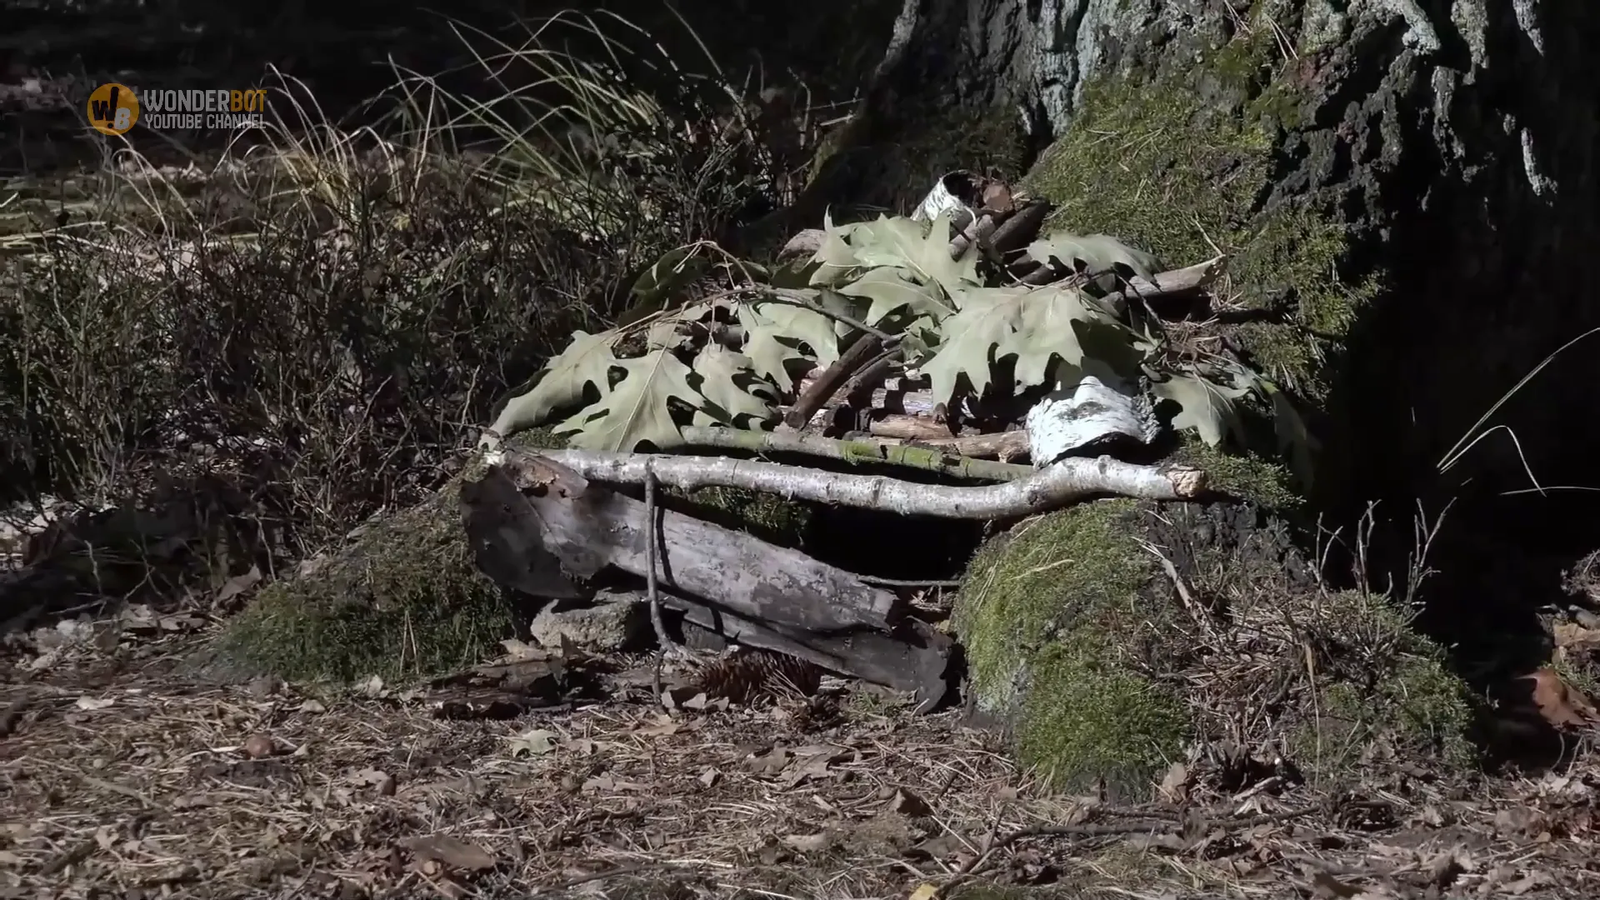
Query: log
(589, 527)
(915, 657)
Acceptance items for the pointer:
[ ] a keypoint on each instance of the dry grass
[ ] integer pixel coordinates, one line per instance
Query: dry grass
(117, 775)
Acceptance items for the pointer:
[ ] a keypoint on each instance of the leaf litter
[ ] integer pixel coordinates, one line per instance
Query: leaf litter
(375, 796)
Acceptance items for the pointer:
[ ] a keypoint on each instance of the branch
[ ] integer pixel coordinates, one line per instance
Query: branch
(1053, 487)
(854, 452)
(821, 390)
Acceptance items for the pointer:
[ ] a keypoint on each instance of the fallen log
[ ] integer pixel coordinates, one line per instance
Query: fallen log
(589, 527)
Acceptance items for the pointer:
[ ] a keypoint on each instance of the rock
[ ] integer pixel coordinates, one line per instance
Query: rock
(1111, 638)
(614, 622)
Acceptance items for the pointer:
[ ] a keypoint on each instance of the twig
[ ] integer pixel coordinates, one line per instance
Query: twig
(800, 298)
(854, 452)
(1054, 486)
(1105, 830)
(571, 883)
(910, 582)
(652, 589)
(827, 384)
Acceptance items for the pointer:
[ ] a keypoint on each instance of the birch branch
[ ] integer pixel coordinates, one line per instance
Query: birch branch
(855, 452)
(1050, 488)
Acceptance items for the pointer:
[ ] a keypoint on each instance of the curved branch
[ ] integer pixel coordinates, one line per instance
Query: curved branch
(1050, 488)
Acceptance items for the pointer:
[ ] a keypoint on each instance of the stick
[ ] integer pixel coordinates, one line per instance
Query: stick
(854, 452)
(652, 590)
(817, 395)
(1052, 487)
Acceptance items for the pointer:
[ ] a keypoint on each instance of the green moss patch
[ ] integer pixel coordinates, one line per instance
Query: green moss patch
(400, 600)
(1182, 167)
(1048, 616)
(1380, 687)
(1078, 638)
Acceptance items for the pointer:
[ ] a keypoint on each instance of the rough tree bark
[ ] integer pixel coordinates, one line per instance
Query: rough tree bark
(1407, 192)
(1452, 144)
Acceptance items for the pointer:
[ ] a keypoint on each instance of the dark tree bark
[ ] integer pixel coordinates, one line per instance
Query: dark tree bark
(1450, 151)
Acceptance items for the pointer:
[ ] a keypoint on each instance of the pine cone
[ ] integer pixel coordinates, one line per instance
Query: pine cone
(747, 675)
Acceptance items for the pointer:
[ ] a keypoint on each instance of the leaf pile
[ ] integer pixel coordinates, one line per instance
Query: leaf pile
(731, 357)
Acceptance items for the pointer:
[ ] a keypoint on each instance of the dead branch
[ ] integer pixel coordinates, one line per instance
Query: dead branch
(1052, 487)
(909, 428)
(820, 391)
(930, 459)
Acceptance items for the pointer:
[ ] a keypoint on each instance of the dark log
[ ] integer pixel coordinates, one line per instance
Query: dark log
(589, 527)
(915, 658)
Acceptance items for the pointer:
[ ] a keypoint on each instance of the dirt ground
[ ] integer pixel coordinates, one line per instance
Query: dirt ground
(120, 778)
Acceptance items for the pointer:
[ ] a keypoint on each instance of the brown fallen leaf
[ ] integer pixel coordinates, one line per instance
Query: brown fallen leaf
(1559, 703)
(769, 762)
(909, 805)
(997, 197)
(453, 852)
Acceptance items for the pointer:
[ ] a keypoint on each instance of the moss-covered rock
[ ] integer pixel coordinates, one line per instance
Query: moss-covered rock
(402, 597)
(1080, 639)
(1050, 615)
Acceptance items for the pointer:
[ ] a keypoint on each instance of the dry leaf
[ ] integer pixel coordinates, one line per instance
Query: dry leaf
(664, 725)
(997, 197)
(1571, 634)
(709, 777)
(809, 843)
(1560, 704)
(376, 778)
(372, 687)
(453, 852)
(807, 767)
(925, 891)
(519, 650)
(237, 585)
(770, 762)
(91, 704)
(909, 805)
(534, 742)
(1175, 785)
(1525, 884)
(1327, 887)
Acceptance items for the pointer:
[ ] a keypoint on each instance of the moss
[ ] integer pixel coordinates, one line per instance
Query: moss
(403, 599)
(1048, 616)
(1265, 483)
(1184, 165)
(766, 516)
(1378, 683)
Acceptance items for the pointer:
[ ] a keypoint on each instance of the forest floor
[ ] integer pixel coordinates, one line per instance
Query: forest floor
(119, 775)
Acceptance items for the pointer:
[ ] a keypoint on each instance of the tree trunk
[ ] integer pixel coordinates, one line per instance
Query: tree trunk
(1407, 193)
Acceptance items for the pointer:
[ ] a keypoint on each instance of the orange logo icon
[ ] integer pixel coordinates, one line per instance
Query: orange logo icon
(113, 109)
